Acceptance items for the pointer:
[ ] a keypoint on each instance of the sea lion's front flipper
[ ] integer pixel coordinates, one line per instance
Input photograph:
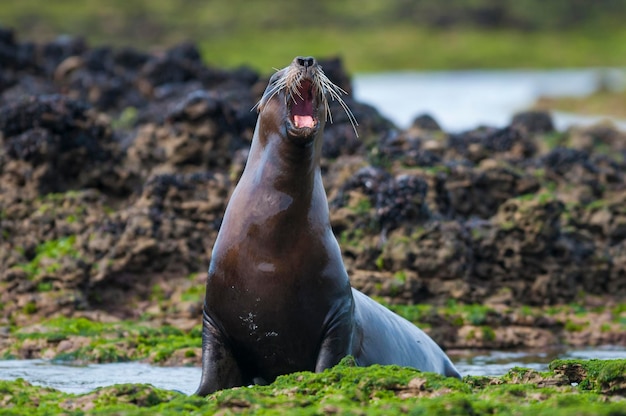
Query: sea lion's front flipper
(219, 367)
(337, 341)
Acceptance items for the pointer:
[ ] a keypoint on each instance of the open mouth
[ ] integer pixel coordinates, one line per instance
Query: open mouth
(302, 108)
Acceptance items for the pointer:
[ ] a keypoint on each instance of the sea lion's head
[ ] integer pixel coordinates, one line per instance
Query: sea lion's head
(295, 103)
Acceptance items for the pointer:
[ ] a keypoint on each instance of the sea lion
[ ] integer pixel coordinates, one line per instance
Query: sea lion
(278, 299)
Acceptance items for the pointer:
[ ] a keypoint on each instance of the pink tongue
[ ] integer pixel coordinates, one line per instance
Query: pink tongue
(303, 121)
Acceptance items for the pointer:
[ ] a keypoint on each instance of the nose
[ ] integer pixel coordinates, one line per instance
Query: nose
(305, 61)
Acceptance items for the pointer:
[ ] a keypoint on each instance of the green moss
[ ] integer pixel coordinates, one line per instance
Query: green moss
(126, 119)
(30, 308)
(54, 250)
(477, 233)
(437, 169)
(553, 310)
(544, 198)
(572, 326)
(194, 293)
(507, 225)
(619, 309)
(157, 293)
(470, 335)
(22, 398)
(400, 276)
(363, 206)
(352, 238)
(348, 389)
(66, 327)
(515, 374)
(343, 387)
(555, 139)
(414, 313)
(477, 314)
(44, 286)
(380, 262)
(601, 376)
(59, 197)
(527, 311)
(550, 187)
(578, 309)
(488, 333)
(538, 173)
(113, 342)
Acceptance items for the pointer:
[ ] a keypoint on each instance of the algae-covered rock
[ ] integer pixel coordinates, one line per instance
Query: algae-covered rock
(601, 376)
(348, 389)
(104, 339)
(116, 166)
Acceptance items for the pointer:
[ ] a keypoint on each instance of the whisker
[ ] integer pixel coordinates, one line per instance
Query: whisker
(297, 86)
(291, 83)
(335, 93)
(320, 87)
(268, 95)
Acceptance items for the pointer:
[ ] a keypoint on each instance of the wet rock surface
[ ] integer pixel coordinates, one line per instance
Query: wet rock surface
(116, 166)
(595, 387)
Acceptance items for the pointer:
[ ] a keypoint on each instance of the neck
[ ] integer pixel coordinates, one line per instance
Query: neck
(287, 166)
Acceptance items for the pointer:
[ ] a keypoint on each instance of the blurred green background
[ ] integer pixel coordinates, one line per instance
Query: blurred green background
(370, 35)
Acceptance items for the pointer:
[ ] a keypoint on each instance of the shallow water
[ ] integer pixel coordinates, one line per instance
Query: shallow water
(497, 363)
(463, 100)
(82, 379)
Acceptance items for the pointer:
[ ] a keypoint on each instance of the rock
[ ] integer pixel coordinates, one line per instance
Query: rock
(534, 122)
(425, 122)
(116, 166)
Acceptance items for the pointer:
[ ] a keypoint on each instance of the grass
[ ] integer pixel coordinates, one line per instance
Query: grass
(263, 35)
(601, 103)
(407, 47)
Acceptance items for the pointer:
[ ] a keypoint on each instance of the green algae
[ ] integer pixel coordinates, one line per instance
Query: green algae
(488, 318)
(50, 250)
(348, 389)
(600, 376)
(147, 339)
(126, 119)
(195, 292)
(456, 313)
(414, 313)
(19, 397)
(111, 342)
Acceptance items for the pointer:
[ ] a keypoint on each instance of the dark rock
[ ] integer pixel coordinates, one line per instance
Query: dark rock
(127, 159)
(533, 122)
(426, 122)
